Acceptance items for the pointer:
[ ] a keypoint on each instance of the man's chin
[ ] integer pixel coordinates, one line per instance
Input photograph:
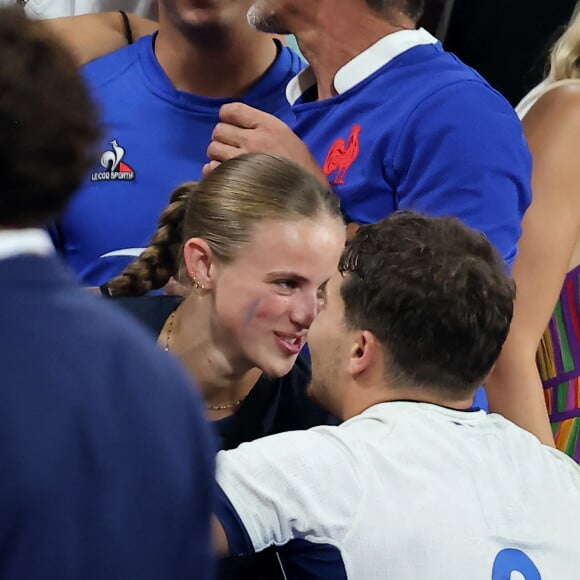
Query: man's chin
(264, 23)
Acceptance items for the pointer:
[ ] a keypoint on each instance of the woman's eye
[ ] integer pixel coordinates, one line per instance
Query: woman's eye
(287, 284)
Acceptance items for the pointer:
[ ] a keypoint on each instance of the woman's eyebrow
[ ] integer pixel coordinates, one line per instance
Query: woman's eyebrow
(286, 274)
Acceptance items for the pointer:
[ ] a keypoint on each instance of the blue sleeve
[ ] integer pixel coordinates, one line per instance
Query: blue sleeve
(463, 153)
(239, 540)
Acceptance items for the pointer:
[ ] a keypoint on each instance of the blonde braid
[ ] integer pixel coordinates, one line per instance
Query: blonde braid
(157, 263)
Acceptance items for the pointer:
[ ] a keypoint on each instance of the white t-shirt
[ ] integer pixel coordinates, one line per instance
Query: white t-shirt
(56, 8)
(408, 491)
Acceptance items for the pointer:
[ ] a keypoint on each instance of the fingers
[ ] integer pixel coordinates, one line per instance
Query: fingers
(217, 151)
(228, 134)
(241, 115)
(209, 167)
(245, 130)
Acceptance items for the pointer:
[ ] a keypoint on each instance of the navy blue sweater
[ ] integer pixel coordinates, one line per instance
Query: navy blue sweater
(106, 463)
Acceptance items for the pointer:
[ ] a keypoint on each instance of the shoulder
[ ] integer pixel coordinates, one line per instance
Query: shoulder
(552, 127)
(285, 487)
(451, 84)
(552, 463)
(331, 445)
(313, 453)
(439, 75)
(144, 381)
(118, 346)
(112, 67)
(450, 98)
(152, 311)
(472, 99)
(559, 107)
(97, 358)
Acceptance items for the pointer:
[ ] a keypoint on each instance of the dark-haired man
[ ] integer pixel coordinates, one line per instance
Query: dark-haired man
(106, 462)
(415, 483)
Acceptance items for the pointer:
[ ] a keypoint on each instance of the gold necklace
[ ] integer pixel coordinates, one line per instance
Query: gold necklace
(228, 406)
(169, 327)
(208, 405)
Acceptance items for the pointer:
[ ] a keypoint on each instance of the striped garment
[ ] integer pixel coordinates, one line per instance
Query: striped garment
(558, 360)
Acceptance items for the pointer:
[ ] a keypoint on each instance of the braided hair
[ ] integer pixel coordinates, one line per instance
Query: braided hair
(160, 261)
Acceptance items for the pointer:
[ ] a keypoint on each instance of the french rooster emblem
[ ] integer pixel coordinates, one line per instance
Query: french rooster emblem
(111, 160)
(342, 155)
(115, 169)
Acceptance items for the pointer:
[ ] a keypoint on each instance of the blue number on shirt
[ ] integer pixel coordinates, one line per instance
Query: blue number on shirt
(510, 560)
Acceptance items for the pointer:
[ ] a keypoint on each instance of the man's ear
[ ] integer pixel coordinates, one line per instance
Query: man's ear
(200, 262)
(365, 353)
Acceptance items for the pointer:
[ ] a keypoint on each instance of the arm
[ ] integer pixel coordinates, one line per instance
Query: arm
(283, 487)
(220, 539)
(90, 36)
(550, 234)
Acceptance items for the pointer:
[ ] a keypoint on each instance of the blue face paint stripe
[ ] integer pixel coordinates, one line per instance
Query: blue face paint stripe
(252, 309)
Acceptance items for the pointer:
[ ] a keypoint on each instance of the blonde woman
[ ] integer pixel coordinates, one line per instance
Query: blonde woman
(254, 242)
(543, 348)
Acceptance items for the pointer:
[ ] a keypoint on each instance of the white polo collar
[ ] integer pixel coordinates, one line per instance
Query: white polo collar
(363, 65)
(26, 241)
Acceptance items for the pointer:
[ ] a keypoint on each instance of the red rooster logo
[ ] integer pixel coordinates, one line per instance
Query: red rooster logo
(342, 155)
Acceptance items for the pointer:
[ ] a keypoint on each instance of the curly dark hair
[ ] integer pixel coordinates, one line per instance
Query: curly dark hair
(47, 121)
(435, 293)
(412, 8)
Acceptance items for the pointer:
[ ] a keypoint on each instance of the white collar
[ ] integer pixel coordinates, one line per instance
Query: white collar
(25, 241)
(363, 65)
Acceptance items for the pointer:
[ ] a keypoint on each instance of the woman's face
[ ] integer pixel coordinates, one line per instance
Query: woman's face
(266, 299)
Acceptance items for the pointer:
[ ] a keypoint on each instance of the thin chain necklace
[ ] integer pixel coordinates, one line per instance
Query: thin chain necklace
(169, 328)
(208, 405)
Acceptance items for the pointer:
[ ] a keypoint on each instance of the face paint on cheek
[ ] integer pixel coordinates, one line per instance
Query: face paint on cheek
(252, 309)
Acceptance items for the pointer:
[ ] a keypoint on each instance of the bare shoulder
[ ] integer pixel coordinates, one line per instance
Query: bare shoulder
(558, 107)
(89, 36)
(141, 26)
(552, 127)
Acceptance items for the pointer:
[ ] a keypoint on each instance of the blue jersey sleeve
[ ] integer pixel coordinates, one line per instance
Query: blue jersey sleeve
(462, 152)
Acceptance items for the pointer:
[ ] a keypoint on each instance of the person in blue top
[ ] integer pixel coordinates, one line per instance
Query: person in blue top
(106, 461)
(159, 100)
(389, 118)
